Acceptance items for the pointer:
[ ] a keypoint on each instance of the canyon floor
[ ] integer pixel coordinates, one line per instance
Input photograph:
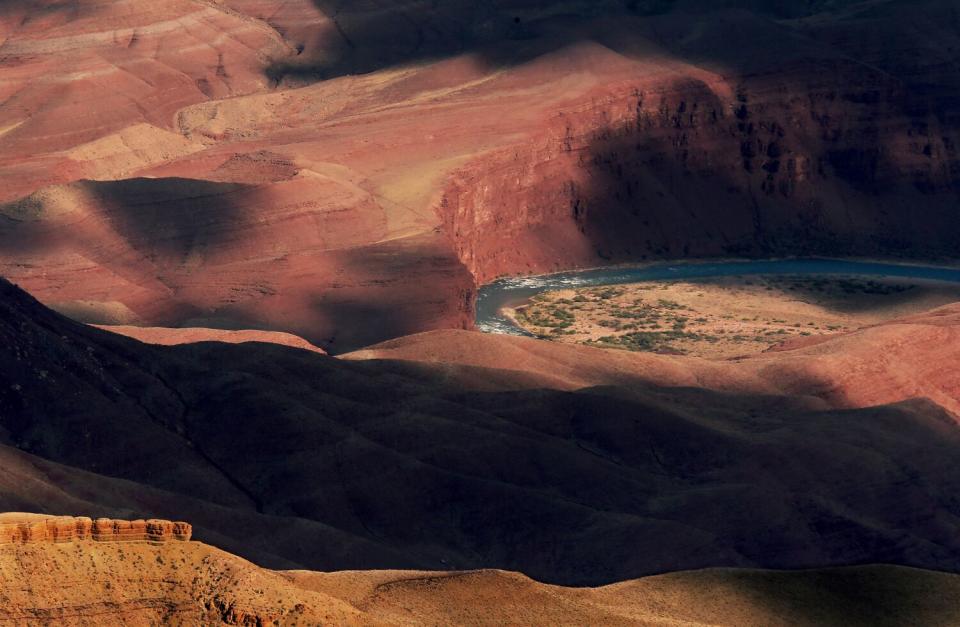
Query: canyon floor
(725, 318)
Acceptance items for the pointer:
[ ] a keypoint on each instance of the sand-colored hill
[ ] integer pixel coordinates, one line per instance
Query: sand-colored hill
(138, 581)
(121, 579)
(167, 336)
(355, 171)
(870, 595)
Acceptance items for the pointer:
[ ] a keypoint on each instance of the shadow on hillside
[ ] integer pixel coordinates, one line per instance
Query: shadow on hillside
(361, 39)
(861, 294)
(580, 488)
(170, 218)
(394, 289)
(164, 219)
(34, 9)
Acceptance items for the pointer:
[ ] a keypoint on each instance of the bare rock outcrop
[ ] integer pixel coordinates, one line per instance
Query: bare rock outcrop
(34, 528)
(136, 573)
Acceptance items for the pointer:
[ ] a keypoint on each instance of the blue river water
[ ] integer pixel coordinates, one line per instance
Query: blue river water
(493, 297)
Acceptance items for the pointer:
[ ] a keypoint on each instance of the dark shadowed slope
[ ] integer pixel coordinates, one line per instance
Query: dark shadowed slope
(365, 464)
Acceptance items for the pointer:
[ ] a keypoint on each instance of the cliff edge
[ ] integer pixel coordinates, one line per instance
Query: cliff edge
(23, 528)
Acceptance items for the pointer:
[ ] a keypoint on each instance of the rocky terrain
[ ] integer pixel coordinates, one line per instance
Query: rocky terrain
(241, 243)
(121, 580)
(305, 167)
(456, 449)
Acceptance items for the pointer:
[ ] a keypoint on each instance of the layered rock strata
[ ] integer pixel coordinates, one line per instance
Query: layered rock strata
(18, 529)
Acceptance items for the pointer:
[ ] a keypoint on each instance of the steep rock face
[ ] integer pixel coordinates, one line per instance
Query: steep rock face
(32, 528)
(817, 152)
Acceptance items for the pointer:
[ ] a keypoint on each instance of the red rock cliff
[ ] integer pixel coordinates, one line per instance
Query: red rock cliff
(793, 164)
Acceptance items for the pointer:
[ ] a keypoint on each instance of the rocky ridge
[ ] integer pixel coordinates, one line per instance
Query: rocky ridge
(30, 529)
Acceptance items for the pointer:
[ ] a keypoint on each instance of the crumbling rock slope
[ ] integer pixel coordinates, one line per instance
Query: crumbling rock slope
(142, 573)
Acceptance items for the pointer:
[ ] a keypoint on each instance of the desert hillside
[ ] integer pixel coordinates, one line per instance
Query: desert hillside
(573, 465)
(123, 579)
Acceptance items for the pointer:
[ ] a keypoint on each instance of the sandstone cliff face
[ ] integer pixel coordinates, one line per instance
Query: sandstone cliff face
(28, 529)
(73, 571)
(820, 154)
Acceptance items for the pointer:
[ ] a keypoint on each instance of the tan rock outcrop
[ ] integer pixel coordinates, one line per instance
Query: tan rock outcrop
(33, 528)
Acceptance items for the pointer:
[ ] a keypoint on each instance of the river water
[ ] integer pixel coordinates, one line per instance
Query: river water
(515, 291)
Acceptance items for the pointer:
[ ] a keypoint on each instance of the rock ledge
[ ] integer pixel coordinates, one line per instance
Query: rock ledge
(36, 528)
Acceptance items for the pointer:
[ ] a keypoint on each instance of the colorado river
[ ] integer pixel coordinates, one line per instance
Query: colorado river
(492, 298)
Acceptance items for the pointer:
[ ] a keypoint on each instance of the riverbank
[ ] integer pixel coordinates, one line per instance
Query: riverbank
(724, 317)
(506, 306)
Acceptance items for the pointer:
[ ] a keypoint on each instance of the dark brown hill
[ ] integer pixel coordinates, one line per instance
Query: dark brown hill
(334, 464)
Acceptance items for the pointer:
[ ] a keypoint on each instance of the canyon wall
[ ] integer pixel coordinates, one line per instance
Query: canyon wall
(825, 159)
